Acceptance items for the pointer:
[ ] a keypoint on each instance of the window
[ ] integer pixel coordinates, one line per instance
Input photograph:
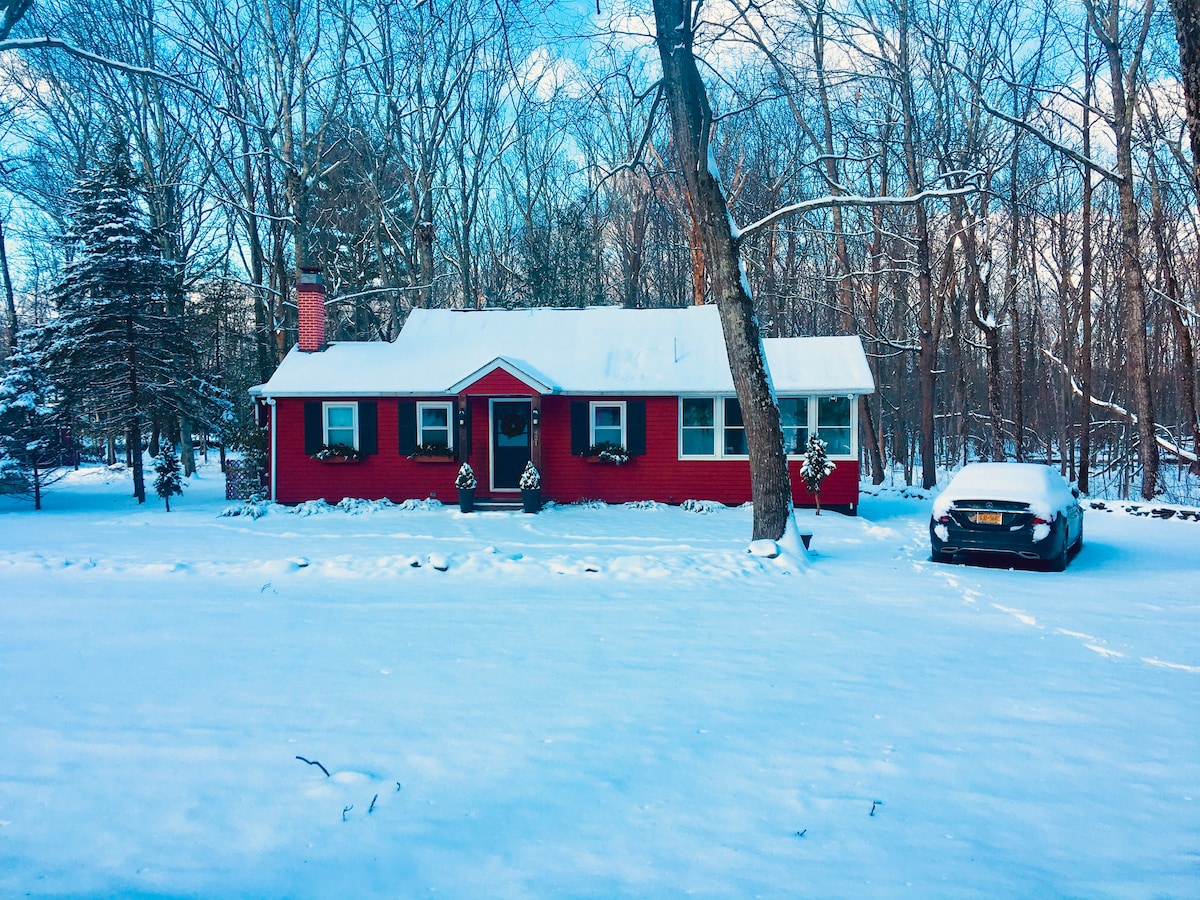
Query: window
(701, 419)
(793, 416)
(608, 423)
(833, 424)
(735, 429)
(341, 424)
(697, 426)
(434, 425)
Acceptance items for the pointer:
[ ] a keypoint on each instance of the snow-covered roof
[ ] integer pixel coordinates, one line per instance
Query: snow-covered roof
(597, 350)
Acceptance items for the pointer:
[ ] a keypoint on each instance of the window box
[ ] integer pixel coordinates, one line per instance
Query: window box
(337, 454)
(607, 453)
(432, 458)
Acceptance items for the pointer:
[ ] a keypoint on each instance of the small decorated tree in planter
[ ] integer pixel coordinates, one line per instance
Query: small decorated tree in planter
(816, 468)
(531, 488)
(466, 484)
(168, 476)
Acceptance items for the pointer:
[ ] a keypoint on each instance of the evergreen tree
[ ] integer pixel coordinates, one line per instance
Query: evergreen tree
(816, 468)
(31, 449)
(169, 477)
(116, 355)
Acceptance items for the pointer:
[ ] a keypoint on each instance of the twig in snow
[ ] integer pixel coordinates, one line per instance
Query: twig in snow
(873, 805)
(313, 762)
(802, 833)
(346, 809)
(399, 787)
(371, 808)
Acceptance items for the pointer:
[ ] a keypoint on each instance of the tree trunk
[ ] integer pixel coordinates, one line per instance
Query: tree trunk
(187, 450)
(1010, 298)
(1174, 294)
(1123, 83)
(874, 453)
(926, 340)
(1187, 30)
(1085, 285)
(10, 303)
(691, 122)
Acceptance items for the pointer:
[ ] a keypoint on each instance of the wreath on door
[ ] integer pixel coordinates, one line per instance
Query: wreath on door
(513, 424)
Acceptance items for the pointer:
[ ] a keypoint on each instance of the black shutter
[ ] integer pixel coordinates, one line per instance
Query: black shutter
(635, 428)
(407, 415)
(368, 427)
(314, 432)
(581, 430)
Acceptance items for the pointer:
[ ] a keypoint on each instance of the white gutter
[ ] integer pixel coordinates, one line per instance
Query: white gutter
(271, 403)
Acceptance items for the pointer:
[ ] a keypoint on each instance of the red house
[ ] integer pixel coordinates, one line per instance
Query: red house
(497, 388)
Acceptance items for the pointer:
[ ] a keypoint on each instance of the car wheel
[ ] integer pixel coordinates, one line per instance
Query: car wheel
(1058, 562)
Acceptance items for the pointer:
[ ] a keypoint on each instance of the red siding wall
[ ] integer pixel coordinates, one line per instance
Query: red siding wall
(384, 474)
(658, 475)
(498, 383)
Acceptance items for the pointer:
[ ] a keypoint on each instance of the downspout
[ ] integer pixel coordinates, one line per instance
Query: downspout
(274, 446)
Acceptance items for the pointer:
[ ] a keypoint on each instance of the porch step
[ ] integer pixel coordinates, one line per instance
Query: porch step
(498, 506)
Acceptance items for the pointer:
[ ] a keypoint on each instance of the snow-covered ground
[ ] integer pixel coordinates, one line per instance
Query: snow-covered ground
(590, 702)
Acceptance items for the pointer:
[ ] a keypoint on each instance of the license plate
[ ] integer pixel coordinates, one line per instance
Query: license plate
(989, 518)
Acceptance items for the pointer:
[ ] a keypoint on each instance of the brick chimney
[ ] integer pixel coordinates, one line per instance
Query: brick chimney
(310, 298)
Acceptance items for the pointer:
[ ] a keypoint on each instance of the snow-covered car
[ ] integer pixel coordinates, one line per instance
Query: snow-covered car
(1026, 509)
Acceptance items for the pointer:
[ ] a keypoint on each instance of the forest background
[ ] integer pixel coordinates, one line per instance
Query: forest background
(1040, 303)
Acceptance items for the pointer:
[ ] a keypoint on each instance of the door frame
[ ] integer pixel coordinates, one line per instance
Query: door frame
(492, 401)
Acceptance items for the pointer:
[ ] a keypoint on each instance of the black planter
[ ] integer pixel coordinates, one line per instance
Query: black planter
(466, 499)
(531, 500)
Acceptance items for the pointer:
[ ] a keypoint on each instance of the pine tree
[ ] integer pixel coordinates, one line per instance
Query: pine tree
(31, 448)
(114, 353)
(816, 468)
(169, 477)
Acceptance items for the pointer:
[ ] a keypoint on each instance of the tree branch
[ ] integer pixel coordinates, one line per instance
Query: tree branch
(45, 42)
(797, 209)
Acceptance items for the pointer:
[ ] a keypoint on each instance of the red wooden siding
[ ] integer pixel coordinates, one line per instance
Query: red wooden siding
(658, 475)
(383, 474)
(498, 383)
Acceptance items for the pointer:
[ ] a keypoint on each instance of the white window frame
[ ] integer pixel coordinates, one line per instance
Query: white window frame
(721, 430)
(328, 405)
(606, 404)
(451, 420)
(813, 427)
(717, 426)
(811, 412)
(815, 423)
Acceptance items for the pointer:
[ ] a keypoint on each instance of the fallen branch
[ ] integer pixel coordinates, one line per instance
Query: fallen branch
(313, 762)
(1077, 390)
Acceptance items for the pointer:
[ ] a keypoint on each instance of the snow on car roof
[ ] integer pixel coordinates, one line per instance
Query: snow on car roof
(1041, 486)
(597, 350)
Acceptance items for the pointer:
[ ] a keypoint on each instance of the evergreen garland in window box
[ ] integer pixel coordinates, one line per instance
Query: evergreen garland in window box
(338, 453)
(608, 453)
(432, 453)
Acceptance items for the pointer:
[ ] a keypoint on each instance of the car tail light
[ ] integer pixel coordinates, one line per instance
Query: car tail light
(943, 520)
(1038, 520)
